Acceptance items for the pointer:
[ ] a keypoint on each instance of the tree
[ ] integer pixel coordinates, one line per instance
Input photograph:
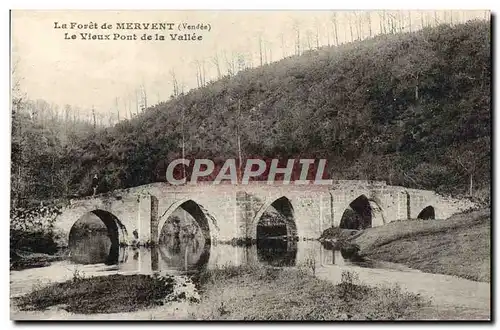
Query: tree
(283, 48)
(175, 83)
(230, 63)
(468, 160)
(296, 29)
(418, 59)
(382, 22)
(335, 28)
(216, 62)
(317, 36)
(350, 20)
(261, 50)
(369, 22)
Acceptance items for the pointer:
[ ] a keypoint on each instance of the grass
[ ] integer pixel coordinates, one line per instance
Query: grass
(266, 293)
(102, 294)
(459, 245)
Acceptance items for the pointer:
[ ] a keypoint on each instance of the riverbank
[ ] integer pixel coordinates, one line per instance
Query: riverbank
(24, 260)
(228, 293)
(266, 293)
(459, 245)
(108, 294)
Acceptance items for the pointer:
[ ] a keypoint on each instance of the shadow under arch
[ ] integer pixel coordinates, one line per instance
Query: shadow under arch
(285, 214)
(204, 220)
(83, 229)
(362, 213)
(427, 213)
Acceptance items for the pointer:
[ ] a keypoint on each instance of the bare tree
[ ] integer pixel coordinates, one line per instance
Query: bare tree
(282, 39)
(401, 21)
(468, 161)
(93, 116)
(265, 54)
(369, 23)
(203, 72)
(436, 19)
(335, 28)
(183, 140)
(409, 20)
(309, 39)
(144, 98)
(117, 109)
(382, 21)
(241, 62)
(317, 37)
(392, 20)
(239, 140)
(230, 63)
(359, 24)
(198, 73)
(216, 62)
(175, 83)
(261, 50)
(350, 21)
(296, 29)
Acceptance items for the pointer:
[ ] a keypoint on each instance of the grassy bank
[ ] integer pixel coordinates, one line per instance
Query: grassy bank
(108, 294)
(264, 293)
(457, 246)
(20, 260)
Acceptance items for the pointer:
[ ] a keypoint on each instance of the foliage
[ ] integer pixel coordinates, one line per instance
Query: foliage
(410, 108)
(101, 294)
(32, 229)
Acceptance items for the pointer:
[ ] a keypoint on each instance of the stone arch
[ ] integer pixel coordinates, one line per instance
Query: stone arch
(205, 221)
(116, 232)
(284, 207)
(361, 213)
(427, 213)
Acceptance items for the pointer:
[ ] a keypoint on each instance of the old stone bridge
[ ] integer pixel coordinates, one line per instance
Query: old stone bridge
(228, 211)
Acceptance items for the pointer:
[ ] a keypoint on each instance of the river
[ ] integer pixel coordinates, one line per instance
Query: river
(448, 292)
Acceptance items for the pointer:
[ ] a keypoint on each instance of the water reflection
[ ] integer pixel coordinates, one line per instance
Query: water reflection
(183, 254)
(277, 252)
(92, 247)
(188, 254)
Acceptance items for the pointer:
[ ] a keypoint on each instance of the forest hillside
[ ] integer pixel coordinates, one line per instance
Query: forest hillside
(413, 109)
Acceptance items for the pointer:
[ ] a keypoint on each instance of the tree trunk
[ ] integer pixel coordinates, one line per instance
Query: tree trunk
(416, 88)
(336, 35)
(470, 184)
(238, 140)
(260, 50)
(183, 143)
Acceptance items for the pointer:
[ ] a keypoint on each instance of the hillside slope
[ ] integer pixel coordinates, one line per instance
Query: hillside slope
(412, 109)
(460, 245)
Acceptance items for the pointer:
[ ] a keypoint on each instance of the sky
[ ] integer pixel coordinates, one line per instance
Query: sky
(103, 73)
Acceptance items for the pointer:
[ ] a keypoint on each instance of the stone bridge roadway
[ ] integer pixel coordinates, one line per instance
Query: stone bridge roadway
(228, 211)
